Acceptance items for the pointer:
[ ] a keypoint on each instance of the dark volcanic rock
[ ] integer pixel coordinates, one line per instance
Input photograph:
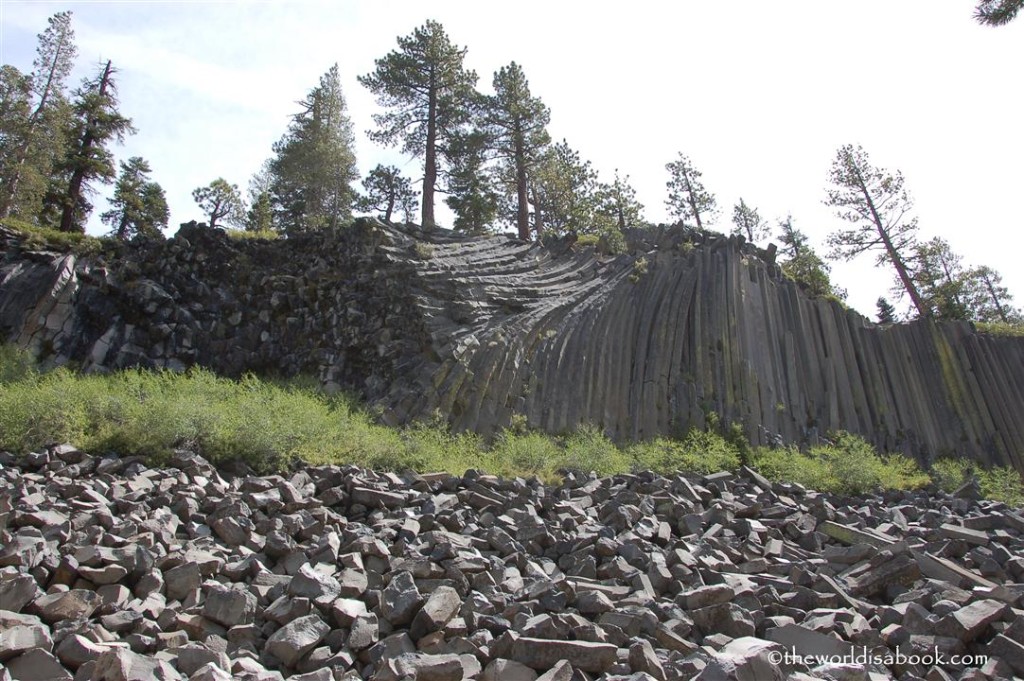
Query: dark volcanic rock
(481, 328)
(630, 577)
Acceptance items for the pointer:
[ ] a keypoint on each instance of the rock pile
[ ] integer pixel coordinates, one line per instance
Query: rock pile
(114, 571)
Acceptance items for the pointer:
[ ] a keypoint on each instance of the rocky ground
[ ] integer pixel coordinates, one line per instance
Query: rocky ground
(110, 570)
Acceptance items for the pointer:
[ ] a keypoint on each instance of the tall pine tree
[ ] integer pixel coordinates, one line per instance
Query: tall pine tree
(139, 206)
(426, 89)
(516, 124)
(34, 119)
(97, 123)
(875, 201)
(315, 163)
(688, 200)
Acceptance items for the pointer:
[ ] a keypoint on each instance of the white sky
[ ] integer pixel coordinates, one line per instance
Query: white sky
(758, 93)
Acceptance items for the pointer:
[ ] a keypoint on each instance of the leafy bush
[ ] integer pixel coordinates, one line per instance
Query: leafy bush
(998, 483)
(252, 235)
(849, 466)
(270, 424)
(1000, 329)
(700, 453)
(589, 450)
(528, 453)
(35, 237)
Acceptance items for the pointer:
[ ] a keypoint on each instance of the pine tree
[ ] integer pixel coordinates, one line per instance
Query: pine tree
(260, 216)
(221, 200)
(563, 192)
(886, 312)
(747, 221)
(876, 202)
(803, 265)
(997, 12)
(426, 89)
(315, 163)
(138, 207)
(617, 201)
(995, 304)
(97, 123)
(471, 185)
(516, 124)
(34, 120)
(688, 200)
(941, 279)
(385, 191)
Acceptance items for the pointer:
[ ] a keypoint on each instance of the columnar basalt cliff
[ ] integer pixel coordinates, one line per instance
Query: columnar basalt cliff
(646, 343)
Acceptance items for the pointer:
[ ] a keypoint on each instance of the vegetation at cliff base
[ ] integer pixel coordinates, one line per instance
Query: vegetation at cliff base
(273, 425)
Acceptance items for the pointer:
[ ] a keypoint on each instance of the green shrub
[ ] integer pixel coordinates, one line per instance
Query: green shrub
(848, 466)
(270, 424)
(528, 453)
(1000, 329)
(41, 409)
(15, 364)
(589, 450)
(35, 237)
(998, 483)
(252, 235)
(700, 453)
(1002, 484)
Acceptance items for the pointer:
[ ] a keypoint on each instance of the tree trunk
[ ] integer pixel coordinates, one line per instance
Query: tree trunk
(522, 209)
(21, 153)
(430, 157)
(538, 218)
(894, 257)
(67, 219)
(391, 206)
(692, 201)
(995, 300)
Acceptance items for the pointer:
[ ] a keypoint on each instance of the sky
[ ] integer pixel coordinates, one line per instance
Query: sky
(759, 94)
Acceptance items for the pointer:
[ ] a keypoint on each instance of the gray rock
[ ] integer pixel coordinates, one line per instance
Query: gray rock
(442, 605)
(400, 599)
(21, 638)
(229, 606)
(295, 639)
(37, 665)
(73, 604)
(119, 664)
(542, 655)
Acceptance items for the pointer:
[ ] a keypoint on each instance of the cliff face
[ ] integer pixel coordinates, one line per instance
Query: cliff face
(482, 329)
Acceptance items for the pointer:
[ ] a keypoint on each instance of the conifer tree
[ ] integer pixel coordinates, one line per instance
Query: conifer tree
(260, 216)
(617, 201)
(688, 200)
(97, 123)
(472, 193)
(747, 221)
(875, 201)
(563, 192)
(941, 279)
(34, 120)
(886, 312)
(997, 12)
(995, 304)
(803, 264)
(220, 200)
(315, 164)
(427, 90)
(516, 124)
(138, 207)
(385, 191)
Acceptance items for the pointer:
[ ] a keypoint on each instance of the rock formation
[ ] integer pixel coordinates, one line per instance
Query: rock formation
(110, 570)
(646, 343)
